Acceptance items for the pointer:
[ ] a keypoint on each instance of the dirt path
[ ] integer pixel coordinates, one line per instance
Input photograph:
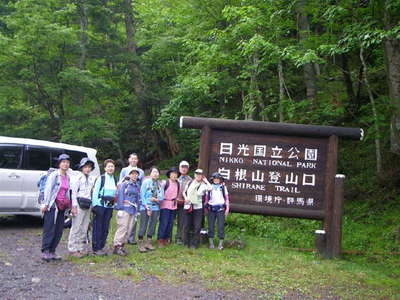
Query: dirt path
(24, 276)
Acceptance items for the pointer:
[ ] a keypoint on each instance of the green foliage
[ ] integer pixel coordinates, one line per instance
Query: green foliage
(208, 59)
(196, 58)
(362, 229)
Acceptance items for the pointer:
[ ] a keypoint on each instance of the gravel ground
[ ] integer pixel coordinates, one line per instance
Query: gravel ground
(24, 276)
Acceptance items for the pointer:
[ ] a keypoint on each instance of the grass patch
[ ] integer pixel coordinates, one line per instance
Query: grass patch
(265, 265)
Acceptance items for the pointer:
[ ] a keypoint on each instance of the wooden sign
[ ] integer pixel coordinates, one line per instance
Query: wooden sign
(269, 174)
(276, 169)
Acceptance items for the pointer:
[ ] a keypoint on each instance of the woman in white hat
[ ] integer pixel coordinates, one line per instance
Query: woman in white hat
(81, 208)
(193, 209)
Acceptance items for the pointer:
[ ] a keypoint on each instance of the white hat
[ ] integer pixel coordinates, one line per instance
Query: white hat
(184, 163)
(199, 171)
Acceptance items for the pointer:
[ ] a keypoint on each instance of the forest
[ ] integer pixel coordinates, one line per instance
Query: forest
(117, 75)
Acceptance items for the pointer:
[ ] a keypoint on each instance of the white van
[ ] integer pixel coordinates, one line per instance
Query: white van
(22, 162)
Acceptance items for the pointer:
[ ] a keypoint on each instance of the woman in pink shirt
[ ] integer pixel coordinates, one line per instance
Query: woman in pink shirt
(168, 207)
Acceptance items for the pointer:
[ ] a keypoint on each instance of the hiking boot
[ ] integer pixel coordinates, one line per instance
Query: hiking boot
(221, 244)
(160, 243)
(178, 242)
(141, 246)
(46, 256)
(100, 253)
(118, 250)
(54, 256)
(84, 252)
(148, 245)
(77, 254)
(211, 245)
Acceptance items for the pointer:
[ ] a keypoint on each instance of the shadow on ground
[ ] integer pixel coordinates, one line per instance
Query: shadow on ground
(20, 221)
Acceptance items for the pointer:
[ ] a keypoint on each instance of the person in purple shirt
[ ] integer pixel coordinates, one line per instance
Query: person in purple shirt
(56, 201)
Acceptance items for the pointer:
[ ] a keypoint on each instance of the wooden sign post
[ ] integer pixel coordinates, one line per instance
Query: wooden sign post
(278, 169)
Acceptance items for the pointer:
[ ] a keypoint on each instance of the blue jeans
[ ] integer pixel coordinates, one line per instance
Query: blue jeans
(53, 227)
(166, 222)
(101, 224)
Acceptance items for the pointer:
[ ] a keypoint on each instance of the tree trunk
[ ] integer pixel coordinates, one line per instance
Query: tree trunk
(375, 115)
(304, 32)
(255, 93)
(392, 62)
(78, 95)
(130, 29)
(281, 90)
(83, 39)
(136, 76)
(359, 87)
(172, 144)
(347, 79)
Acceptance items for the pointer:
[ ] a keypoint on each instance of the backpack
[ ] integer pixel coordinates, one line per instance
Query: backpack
(41, 184)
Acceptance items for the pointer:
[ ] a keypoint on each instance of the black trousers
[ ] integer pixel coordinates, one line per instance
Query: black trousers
(101, 225)
(179, 223)
(53, 227)
(218, 217)
(192, 227)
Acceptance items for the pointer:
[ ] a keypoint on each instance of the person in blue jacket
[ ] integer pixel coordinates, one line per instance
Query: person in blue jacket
(103, 202)
(127, 206)
(133, 163)
(151, 193)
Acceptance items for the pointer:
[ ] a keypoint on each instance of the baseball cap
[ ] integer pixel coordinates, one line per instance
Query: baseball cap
(199, 171)
(184, 163)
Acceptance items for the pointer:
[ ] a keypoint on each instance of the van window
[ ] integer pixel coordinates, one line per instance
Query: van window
(38, 159)
(10, 156)
(76, 157)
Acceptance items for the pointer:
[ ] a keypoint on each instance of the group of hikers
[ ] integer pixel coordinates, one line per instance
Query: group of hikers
(140, 203)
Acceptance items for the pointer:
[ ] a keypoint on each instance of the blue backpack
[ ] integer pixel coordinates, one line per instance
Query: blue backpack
(42, 184)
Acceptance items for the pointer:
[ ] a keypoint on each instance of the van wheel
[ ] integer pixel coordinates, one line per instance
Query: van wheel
(67, 219)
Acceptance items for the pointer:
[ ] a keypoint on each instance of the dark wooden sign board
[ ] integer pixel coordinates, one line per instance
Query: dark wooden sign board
(277, 169)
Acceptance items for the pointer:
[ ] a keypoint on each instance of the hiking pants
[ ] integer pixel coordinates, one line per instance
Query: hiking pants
(53, 227)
